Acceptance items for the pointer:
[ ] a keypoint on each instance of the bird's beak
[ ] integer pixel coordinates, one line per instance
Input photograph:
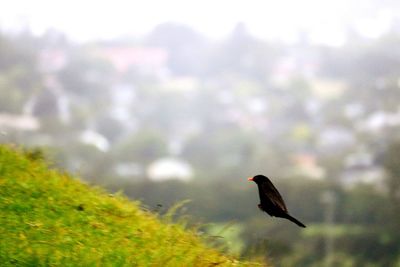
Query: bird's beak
(250, 179)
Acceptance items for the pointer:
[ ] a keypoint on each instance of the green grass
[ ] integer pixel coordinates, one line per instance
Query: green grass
(48, 218)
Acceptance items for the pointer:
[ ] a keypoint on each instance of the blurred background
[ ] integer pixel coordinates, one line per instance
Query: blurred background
(173, 100)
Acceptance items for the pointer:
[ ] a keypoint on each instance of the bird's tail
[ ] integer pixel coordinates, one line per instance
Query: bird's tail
(287, 216)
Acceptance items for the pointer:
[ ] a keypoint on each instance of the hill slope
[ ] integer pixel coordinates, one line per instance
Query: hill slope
(48, 218)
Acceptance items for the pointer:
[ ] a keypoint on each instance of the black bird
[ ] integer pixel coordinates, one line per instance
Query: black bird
(271, 201)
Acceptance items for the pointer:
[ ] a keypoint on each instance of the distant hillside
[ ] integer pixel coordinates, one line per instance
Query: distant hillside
(48, 218)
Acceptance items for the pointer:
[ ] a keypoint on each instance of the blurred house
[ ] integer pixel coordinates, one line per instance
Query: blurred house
(122, 98)
(305, 165)
(148, 61)
(128, 169)
(144, 59)
(91, 137)
(18, 122)
(52, 60)
(380, 120)
(360, 167)
(354, 110)
(301, 61)
(170, 168)
(335, 138)
(328, 88)
(182, 84)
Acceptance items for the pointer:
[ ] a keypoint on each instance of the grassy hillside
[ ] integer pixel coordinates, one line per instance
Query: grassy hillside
(49, 218)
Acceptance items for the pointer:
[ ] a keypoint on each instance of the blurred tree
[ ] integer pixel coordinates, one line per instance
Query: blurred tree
(87, 78)
(244, 56)
(142, 147)
(111, 128)
(365, 205)
(185, 47)
(19, 78)
(225, 153)
(46, 104)
(392, 166)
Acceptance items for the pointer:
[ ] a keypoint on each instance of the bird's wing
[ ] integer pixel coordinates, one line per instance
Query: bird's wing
(272, 193)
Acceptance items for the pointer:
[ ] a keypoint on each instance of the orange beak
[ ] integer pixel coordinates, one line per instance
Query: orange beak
(250, 179)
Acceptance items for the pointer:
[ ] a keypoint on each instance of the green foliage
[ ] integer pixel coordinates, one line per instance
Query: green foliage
(51, 219)
(144, 146)
(392, 166)
(228, 234)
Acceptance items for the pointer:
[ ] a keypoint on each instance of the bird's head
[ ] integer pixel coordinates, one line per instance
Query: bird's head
(258, 178)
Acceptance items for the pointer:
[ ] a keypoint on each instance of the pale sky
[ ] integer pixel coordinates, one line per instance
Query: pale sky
(89, 19)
